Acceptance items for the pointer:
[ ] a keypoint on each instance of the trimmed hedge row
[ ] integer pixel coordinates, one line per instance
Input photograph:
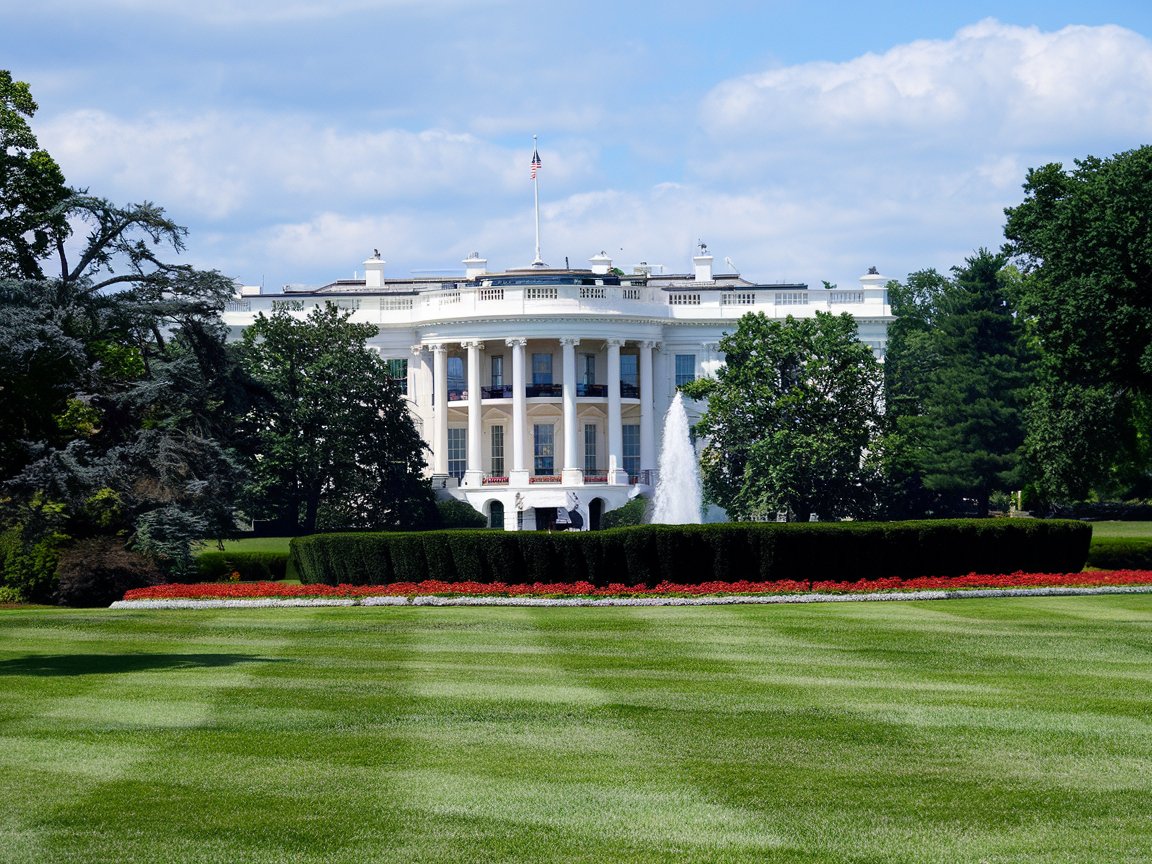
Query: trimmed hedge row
(651, 554)
(1120, 553)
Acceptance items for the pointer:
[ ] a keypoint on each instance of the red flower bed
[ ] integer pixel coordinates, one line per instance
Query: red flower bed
(240, 590)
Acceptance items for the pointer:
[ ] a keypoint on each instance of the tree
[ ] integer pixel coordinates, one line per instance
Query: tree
(1084, 241)
(917, 305)
(977, 380)
(336, 446)
(792, 418)
(31, 187)
(120, 393)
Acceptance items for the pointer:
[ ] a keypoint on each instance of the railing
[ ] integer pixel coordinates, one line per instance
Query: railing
(595, 478)
(499, 391)
(597, 390)
(629, 391)
(544, 478)
(495, 481)
(536, 390)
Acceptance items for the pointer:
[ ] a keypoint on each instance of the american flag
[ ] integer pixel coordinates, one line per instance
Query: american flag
(535, 162)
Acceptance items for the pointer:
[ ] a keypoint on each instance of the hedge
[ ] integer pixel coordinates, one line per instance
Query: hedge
(730, 552)
(1120, 553)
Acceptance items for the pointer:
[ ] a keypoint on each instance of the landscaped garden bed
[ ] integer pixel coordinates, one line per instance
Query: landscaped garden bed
(434, 592)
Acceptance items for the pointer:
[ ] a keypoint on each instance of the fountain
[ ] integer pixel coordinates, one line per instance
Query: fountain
(677, 499)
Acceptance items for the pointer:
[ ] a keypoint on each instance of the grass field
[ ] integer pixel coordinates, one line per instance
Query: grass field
(252, 544)
(1141, 530)
(960, 731)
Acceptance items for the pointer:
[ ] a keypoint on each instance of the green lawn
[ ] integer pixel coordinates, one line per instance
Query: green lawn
(1141, 530)
(253, 544)
(960, 731)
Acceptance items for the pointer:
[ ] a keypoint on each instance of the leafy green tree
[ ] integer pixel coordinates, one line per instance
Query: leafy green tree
(1083, 238)
(972, 428)
(31, 187)
(792, 418)
(335, 442)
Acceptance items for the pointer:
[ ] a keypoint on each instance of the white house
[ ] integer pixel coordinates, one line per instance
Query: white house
(539, 389)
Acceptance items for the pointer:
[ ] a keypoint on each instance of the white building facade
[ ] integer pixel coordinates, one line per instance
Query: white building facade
(543, 391)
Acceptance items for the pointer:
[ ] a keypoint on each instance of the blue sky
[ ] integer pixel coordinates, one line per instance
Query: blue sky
(801, 140)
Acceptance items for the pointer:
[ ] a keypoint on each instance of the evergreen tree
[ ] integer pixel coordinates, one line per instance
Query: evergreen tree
(977, 382)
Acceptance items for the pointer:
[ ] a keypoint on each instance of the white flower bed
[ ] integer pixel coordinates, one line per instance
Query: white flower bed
(728, 600)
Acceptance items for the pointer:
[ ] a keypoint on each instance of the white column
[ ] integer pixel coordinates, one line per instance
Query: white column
(518, 474)
(647, 423)
(439, 409)
(616, 472)
(474, 474)
(571, 472)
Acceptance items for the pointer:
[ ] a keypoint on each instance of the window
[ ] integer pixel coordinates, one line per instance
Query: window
(630, 375)
(497, 451)
(457, 451)
(456, 380)
(588, 364)
(590, 448)
(398, 372)
(541, 368)
(631, 444)
(685, 369)
(791, 298)
(543, 449)
(497, 361)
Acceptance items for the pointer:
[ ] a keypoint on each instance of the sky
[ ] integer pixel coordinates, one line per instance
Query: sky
(801, 141)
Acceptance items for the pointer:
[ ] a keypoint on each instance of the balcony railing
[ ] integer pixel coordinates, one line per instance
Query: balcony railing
(538, 391)
(535, 390)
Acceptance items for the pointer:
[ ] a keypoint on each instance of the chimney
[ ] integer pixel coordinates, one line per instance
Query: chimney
(601, 264)
(374, 271)
(475, 266)
(703, 263)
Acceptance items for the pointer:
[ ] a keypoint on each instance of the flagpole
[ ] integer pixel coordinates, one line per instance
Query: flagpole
(536, 195)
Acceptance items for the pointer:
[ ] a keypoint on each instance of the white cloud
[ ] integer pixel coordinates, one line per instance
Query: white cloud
(217, 165)
(1031, 87)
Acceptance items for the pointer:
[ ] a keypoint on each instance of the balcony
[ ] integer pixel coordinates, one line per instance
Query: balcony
(546, 391)
(593, 390)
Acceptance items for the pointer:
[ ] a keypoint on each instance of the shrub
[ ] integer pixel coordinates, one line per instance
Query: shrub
(262, 566)
(454, 513)
(650, 554)
(97, 571)
(631, 513)
(1120, 553)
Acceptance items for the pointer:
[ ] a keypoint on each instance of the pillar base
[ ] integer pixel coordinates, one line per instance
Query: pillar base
(473, 479)
(619, 477)
(572, 477)
(518, 478)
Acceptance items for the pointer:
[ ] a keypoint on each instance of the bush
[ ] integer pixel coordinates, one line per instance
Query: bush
(1120, 553)
(731, 552)
(97, 571)
(216, 566)
(631, 513)
(454, 513)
